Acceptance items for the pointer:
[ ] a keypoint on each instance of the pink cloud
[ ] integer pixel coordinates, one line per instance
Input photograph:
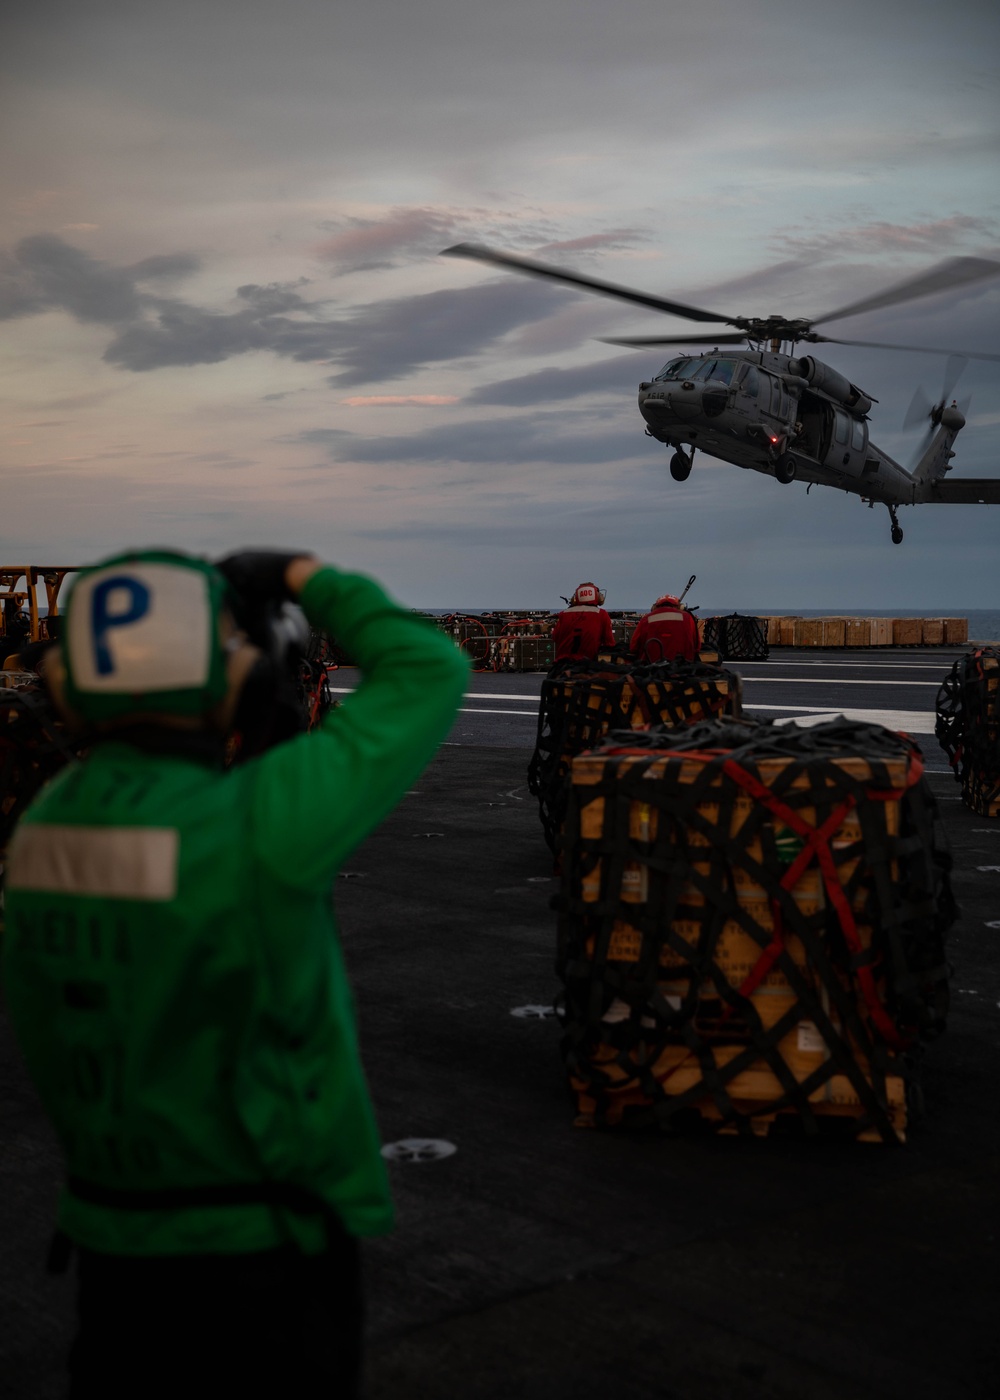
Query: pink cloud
(614, 238)
(375, 241)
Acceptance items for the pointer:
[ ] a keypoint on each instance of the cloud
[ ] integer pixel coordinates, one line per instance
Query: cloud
(44, 272)
(372, 343)
(606, 376)
(362, 244)
(614, 238)
(400, 400)
(880, 236)
(497, 441)
(275, 298)
(163, 266)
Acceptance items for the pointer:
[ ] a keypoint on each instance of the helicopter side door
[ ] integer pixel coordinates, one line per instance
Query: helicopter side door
(847, 439)
(773, 402)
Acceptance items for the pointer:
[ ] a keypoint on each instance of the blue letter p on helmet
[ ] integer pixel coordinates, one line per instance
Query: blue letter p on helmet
(142, 637)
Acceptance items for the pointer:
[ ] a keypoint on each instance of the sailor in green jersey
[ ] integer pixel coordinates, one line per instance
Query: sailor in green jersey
(174, 979)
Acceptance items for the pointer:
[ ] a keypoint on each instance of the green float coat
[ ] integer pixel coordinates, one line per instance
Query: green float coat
(171, 962)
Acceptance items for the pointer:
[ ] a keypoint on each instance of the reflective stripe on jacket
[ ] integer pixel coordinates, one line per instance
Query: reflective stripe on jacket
(665, 634)
(581, 630)
(172, 968)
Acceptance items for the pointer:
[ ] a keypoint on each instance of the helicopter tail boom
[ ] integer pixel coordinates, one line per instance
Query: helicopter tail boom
(961, 491)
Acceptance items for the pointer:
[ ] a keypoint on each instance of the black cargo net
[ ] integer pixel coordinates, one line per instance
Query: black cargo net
(968, 727)
(736, 638)
(582, 701)
(33, 747)
(751, 929)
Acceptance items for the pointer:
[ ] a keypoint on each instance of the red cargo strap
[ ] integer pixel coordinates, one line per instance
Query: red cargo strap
(817, 843)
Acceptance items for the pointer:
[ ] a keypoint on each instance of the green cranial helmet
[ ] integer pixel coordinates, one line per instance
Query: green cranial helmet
(142, 637)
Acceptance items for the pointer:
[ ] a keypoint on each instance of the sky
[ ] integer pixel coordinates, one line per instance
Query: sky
(224, 321)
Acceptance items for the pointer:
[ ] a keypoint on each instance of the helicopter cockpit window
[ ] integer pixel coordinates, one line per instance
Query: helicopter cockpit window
(672, 370)
(688, 368)
(751, 382)
(724, 370)
(711, 369)
(842, 428)
(858, 436)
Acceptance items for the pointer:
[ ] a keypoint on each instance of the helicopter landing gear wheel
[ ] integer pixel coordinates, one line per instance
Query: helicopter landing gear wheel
(680, 466)
(785, 469)
(896, 533)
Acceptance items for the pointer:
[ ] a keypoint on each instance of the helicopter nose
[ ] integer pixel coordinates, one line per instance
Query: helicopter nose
(685, 401)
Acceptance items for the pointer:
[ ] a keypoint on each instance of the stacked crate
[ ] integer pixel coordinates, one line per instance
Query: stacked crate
(881, 631)
(907, 631)
(581, 701)
(623, 625)
(751, 929)
(522, 651)
(968, 728)
(808, 632)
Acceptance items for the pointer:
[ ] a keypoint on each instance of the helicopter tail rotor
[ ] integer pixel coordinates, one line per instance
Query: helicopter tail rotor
(920, 405)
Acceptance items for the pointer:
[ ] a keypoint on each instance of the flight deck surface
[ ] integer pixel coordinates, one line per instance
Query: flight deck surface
(542, 1260)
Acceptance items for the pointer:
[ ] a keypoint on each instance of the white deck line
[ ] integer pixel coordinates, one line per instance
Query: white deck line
(828, 680)
(912, 721)
(873, 665)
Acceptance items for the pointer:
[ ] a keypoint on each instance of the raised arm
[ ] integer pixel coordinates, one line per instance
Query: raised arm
(316, 797)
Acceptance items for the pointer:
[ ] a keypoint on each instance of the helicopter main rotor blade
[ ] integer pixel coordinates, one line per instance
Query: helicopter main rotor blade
(953, 371)
(919, 409)
(953, 272)
(726, 338)
(917, 349)
(573, 279)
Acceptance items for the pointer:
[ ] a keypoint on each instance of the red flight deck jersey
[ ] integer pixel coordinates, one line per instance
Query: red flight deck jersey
(581, 630)
(666, 632)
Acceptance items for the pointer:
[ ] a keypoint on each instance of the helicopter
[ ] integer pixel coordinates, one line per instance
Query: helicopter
(788, 415)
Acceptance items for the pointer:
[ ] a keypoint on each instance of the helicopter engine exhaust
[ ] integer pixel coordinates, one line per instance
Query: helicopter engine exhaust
(821, 376)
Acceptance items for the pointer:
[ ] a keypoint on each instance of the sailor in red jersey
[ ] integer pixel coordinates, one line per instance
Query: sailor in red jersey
(584, 627)
(666, 632)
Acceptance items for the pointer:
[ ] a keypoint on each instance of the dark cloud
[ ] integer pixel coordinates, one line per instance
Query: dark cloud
(275, 298)
(372, 343)
(45, 272)
(496, 441)
(619, 374)
(390, 338)
(164, 266)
